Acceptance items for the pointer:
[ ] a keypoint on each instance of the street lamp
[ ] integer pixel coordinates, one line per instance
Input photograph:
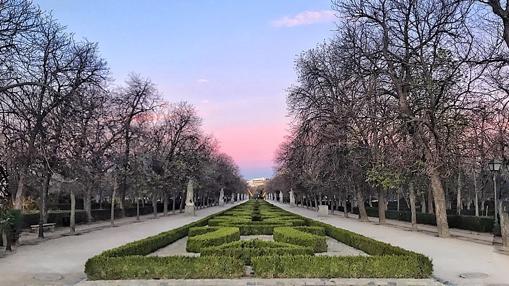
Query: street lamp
(494, 166)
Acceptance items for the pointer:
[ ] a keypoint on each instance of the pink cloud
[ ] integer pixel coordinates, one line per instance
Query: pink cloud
(305, 18)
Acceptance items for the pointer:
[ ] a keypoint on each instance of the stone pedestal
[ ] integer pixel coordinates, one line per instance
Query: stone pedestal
(280, 196)
(323, 210)
(190, 210)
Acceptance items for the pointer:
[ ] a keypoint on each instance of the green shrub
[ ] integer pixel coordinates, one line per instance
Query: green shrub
(366, 244)
(317, 230)
(223, 256)
(194, 231)
(385, 266)
(220, 236)
(228, 221)
(246, 249)
(149, 244)
(259, 229)
(294, 236)
(170, 267)
(473, 223)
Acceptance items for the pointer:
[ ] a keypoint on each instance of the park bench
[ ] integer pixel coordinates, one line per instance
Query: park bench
(45, 227)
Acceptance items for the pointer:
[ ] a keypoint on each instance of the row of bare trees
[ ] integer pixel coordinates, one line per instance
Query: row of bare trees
(65, 128)
(407, 101)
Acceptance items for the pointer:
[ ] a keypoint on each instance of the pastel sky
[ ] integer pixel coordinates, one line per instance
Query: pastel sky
(232, 59)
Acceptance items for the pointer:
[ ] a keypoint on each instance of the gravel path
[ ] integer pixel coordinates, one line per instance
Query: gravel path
(174, 249)
(63, 259)
(451, 257)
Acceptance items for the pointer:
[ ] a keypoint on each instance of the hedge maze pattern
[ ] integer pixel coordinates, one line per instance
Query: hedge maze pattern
(224, 255)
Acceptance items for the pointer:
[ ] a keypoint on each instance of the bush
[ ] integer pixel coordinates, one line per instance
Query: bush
(246, 249)
(317, 230)
(259, 229)
(222, 221)
(386, 266)
(11, 222)
(170, 267)
(290, 256)
(194, 231)
(473, 223)
(295, 236)
(366, 244)
(214, 238)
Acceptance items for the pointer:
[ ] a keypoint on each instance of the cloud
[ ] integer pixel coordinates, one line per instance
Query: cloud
(305, 18)
(202, 80)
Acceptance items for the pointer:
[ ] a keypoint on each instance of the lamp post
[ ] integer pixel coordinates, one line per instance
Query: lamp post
(494, 166)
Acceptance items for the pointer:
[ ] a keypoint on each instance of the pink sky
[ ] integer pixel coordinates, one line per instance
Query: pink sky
(233, 60)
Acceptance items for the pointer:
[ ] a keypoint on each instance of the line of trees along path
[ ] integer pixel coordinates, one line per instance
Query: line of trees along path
(67, 132)
(407, 101)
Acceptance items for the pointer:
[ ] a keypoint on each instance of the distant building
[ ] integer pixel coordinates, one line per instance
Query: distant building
(256, 182)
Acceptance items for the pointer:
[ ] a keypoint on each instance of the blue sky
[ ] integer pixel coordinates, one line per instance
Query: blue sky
(232, 59)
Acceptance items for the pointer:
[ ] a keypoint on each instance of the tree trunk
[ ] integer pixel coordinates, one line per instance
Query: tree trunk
(363, 215)
(165, 204)
(42, 206)
(173, 203)
(87, 203)
(412, 206)
(476, 196)
(18, 202)
(381, 206)
(154, 205)
(182, 200)
(370, 203)
(345, 208)
(72, 220)
(137, 207)
(112, 209)
(430, 200)
(397, 197)
(423, 203)
(121, 202)
(504, 226)
(6, 238)
(459, 205)
(439, 196)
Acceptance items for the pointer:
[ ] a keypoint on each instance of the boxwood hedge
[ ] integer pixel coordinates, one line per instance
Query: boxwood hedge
(219, 236)
(224, 256)
(246, 249)
(294, 236)
(385, 266)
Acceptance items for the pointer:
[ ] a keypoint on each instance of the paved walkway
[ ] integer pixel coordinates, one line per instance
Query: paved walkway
(31, 238)
(474, 236)
(267, 282)
(61, 261)
(451, 256)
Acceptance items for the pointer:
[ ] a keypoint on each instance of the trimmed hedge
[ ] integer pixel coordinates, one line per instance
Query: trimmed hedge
(106, 263)
(302, 238)
(386, 266)
(170, 267)
(220, 236)
(194, 231)
(467, 222)
(316, 230)
(246, 249)
(228, 221)
(290, 256)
